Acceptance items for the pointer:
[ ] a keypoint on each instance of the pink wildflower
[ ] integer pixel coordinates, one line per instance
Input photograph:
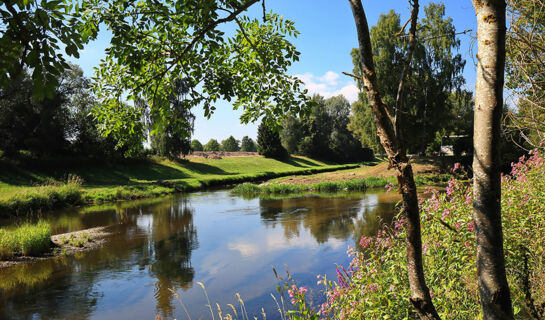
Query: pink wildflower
(471, 226)
(365, 241)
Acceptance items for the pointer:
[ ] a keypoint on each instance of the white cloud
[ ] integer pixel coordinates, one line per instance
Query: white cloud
(328, 85)
(245, 249)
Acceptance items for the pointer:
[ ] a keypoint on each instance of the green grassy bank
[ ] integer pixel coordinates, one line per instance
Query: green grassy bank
(50, 184)
(333, 186)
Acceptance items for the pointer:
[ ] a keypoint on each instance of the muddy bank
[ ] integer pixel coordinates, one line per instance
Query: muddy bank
(66, 244)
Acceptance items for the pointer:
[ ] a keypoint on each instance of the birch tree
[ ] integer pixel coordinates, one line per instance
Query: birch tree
(493, 287)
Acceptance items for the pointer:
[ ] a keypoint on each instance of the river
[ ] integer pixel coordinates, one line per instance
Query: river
(228, 243)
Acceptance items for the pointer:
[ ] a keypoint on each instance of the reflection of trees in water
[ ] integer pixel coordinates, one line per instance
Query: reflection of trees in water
(372, 219)
(325, 217)
(172, 254)
(65, 288)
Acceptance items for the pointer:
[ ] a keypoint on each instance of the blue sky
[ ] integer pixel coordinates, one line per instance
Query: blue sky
(327, 36)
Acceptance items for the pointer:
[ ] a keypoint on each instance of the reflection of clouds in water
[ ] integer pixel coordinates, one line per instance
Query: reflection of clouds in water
(245, 249)
(275, 240)
(369, 201)
(145, 222)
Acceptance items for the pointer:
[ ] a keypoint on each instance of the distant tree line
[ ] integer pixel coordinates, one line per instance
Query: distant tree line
(323, 132)
(228, 145)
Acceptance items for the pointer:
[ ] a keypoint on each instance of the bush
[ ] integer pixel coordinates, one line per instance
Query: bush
(27, 239)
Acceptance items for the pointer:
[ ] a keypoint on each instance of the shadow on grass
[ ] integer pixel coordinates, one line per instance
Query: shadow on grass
(203, 168)
(300, 162)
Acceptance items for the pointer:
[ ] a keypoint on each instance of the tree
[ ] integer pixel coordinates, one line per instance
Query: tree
(248, 145)
(525, 71)
(437, 73)
(212, 145)
(173, 138)
(389, 127)
(291, 134)
(31, 32)
(269, 144)
(362, 125)
(493, 287)
(343, 145)
(30, 124)
(157, 42)
(230, 144)
(316, 128)
(196, 145)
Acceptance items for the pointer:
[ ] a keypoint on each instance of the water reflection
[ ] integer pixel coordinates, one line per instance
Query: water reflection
(155, 246)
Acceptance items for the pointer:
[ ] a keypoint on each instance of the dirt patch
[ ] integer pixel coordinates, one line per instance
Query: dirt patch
(220, 154)
(380, 170)
(66, 244)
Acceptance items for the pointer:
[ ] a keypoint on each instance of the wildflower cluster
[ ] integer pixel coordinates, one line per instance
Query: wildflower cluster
(375, 285)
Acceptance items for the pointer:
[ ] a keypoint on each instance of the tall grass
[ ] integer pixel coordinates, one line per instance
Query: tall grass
(27, 239)
(333, 186)
(326, 186)
(45, 197)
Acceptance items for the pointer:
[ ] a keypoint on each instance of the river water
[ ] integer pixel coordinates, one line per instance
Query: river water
(228, 243)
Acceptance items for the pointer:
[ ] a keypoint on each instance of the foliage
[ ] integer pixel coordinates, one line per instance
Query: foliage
(33, 33)
(437, 77)
(29, 124)
(212, 145)
(525, 71)
(269, 144)
(173, 138)
(374, 285)
(323, 132)
(248, 145)
(155, 43)
(26, 239)
(196, 145)
(53, 126)
(230, 144)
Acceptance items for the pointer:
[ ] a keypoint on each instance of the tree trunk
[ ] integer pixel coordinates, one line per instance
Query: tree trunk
(493, 287)
(393, 145)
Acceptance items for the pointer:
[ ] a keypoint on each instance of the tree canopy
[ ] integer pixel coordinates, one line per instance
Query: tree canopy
(437, 73)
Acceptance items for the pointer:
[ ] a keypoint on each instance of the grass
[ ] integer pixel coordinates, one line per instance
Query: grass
(27, 239)
(46, 197)
(34, 185)
(326, 186)
(333, 186)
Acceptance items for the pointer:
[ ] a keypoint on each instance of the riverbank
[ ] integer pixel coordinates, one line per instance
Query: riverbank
(426, 171)
(37, 185)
